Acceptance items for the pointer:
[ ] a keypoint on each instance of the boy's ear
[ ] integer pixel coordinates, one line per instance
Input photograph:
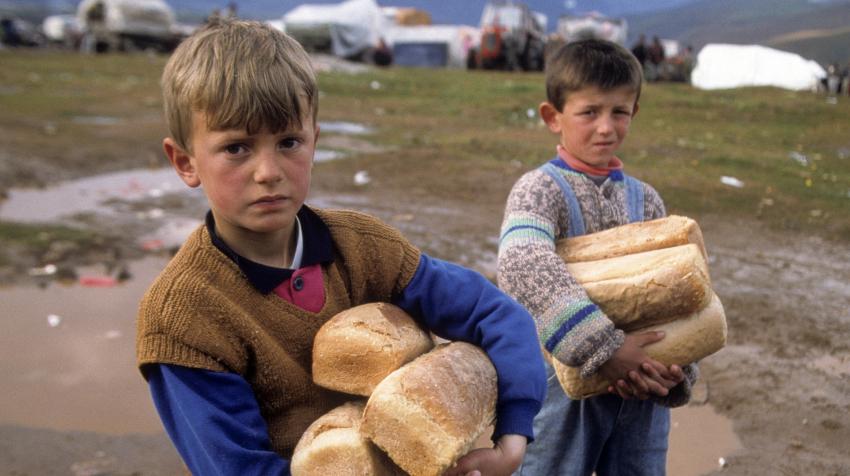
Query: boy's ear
(182, 161)
(550, 114)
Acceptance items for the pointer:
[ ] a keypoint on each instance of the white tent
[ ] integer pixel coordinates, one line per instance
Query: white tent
(722, 66)
(352, 26)
(432, 45)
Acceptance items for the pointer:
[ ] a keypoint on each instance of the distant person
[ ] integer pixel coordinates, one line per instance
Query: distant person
(592, 90)
(639, 50)
(655, 58)
(94, 34)
(9, 34)
(383, 54)
(231, 10)
(225, 333)
(845, 80)
(833, 79)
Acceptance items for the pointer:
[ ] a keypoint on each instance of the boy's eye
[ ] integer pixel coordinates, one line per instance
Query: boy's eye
(289, 143)
(234, 149)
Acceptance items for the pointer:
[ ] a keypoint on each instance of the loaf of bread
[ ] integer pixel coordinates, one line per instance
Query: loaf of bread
(358, 347)
(632, 238)
(686, 340)
(647, 288)
(430, 412)
(333, 445)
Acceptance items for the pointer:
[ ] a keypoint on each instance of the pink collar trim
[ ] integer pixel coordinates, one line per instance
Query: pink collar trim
(575, 164)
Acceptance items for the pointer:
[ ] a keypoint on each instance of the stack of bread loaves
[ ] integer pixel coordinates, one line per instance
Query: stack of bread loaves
(426, 406)
(647, 276)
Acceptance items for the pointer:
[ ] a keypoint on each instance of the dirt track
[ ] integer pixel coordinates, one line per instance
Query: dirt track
(784, 378)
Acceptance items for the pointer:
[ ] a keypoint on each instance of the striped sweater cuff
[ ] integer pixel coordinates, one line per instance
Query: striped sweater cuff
(525, 229)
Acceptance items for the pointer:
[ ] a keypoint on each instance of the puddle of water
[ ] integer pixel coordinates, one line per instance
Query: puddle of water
(326, 155)
(699, 438)
(343, 127)
(96, 120)
(833, 366)
(89, 194)
(67, 356)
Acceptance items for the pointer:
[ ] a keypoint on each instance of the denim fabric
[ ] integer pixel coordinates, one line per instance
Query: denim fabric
(605, 434)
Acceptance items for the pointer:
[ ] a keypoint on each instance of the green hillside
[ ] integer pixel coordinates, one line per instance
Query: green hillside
(756, 22)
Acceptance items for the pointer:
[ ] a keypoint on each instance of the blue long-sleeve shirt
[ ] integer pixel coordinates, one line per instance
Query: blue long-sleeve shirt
(214, 420)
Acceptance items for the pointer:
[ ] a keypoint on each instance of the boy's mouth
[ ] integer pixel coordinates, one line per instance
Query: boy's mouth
(269, 199)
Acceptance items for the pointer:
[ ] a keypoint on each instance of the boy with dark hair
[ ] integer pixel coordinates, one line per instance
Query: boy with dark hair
(225, 333)
(592, 88)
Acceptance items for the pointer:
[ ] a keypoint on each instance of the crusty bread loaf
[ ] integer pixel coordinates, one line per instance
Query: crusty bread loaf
(430, 412)
(333, 445)
(647, 288)
(686, 340)
(632, 238)
(358, 347)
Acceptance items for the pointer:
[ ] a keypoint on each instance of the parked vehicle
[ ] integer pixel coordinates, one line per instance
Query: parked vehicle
(512, 38)
(127, 25)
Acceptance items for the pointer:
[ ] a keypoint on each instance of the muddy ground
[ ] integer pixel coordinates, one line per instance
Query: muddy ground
(783, 380)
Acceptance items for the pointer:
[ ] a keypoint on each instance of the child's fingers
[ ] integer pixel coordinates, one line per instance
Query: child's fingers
(676, 373)
(653, 374)
(646, 338)
(640, 385)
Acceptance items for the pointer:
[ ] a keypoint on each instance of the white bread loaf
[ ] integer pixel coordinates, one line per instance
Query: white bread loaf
(647, 288)
(333, 445)
(686, 340)
(632, 238)
(358, 347)
(430, 412)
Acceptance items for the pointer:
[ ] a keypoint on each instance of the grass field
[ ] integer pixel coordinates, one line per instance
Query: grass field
(457, 124)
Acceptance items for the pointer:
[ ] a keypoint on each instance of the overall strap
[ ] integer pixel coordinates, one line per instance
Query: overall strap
(634, 198)
(576, 221)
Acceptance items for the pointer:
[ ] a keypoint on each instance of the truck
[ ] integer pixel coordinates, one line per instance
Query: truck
(513, 38)
(127, 25)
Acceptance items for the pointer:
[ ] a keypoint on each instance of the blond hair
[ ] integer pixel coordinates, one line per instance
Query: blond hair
(590, 63)
(241, 75)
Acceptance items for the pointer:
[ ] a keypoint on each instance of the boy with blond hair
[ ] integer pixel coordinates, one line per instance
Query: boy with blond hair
(225, 332)
(592, 88)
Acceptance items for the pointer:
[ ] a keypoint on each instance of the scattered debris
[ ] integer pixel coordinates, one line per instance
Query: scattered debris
(375, 85)
(721, 462)
(801, 159)
(53, 320)
(731, 181)
(531, 113)
(46, 270)
(362, 178)
(98, 281)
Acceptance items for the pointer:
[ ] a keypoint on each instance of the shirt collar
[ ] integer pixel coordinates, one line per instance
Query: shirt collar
(314, 246)
(614, 169)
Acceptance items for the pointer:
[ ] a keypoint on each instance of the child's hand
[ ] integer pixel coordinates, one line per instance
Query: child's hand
(634, 374)
(501, 460)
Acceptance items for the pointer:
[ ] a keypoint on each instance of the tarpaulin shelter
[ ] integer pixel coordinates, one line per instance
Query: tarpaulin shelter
(345, 29)
(432, 45)
(723, 66)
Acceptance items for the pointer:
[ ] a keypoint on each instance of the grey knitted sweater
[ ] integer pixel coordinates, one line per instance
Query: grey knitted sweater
(570, 326)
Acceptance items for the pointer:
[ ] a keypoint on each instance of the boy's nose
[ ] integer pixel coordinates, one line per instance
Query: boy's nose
(605, 125)
(268, 170)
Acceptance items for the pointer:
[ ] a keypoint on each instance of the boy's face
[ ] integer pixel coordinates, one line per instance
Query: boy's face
(593, 122)
(255, 184)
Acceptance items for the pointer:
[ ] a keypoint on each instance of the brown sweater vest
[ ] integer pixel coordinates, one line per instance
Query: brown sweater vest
(201, 312)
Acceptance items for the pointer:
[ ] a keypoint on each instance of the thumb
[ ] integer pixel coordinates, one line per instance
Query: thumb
(646, 338)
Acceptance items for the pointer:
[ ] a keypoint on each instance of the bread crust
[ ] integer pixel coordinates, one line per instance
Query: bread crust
(358, 347)
(673, 230)
(686, 340)
(430, 412)
(333, 445)
(647, 288)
